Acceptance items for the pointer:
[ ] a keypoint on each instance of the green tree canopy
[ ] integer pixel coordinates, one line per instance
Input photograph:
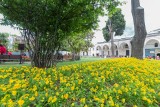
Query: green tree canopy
(45, 23)
(4, 39)
(78, 42)
(118, 25)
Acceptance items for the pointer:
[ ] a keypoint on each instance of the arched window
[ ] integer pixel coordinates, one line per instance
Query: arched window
(156, 45)
(116, 47)
(126, 46)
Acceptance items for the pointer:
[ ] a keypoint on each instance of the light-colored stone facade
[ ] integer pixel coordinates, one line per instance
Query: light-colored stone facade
(122, 47)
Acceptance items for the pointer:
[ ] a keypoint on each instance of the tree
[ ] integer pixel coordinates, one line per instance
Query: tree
(77, 43)
(88, 41)
(116, 23)
(4, 39)
(45, 23)
(139, 29)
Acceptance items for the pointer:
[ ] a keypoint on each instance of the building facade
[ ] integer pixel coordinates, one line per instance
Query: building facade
(122, 47)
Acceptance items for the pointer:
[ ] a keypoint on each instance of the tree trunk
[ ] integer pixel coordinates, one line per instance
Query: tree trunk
(41, 53)
(111, 35)
(73, 56)
(112, 44)
(140, 30)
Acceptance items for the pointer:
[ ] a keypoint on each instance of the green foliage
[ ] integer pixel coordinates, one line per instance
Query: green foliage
(4, 39)
(118, 24)
(106, 33)
(78, 42)
(46, 23)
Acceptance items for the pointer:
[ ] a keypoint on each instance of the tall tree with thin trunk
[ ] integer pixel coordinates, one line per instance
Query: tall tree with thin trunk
(139, 28)
(115, 24)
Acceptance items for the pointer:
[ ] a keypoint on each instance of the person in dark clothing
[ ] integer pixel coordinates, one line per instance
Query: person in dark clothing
(22, 57)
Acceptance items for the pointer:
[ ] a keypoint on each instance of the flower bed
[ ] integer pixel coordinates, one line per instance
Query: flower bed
(115, 82)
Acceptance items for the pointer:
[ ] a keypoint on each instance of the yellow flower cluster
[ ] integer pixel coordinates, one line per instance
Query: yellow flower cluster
(108, 83)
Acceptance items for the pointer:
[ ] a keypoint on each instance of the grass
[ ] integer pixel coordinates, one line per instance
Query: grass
(82, 60)
(78, 62)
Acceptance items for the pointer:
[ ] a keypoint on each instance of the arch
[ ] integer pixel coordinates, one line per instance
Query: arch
(105, 47)
(99, 51)
(151, 41)
(125, 49)
(98, 48)
(151, 48)
(124, 45)
(115, 46)
(105, 52)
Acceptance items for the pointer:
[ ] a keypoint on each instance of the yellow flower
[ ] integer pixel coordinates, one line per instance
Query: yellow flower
(20, 102)
(111, 103)
(46, 94)
(32, 98)
(72, 88)
(123, 100)
(102, 105)
(134, 105)
(116, 85)
(54, 99)
(82, 100)
(4, 89)
(50, 99)
(149, 101)
(144, 98)
(116, 105)
(65, 96)
(68, 84)
(105, 96)
(57, 93)
(135, 93)
(10, 104)
(102, 100)
(119, 92)
(85, 106)
(117, 97)
(16, 86)
(34, 88)
(72, 104)
(80, 81)
(47, 81)
(36, 93)
(14, 93)
(96, 98)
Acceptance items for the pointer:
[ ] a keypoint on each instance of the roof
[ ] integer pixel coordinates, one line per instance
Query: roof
(122, 38)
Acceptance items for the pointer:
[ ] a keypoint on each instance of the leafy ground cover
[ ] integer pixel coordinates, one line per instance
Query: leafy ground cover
(119, 82)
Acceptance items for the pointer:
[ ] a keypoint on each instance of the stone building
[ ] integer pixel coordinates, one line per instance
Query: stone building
(122, 46)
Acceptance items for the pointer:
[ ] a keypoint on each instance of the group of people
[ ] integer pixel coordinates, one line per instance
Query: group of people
(4, 51)
(153, 57)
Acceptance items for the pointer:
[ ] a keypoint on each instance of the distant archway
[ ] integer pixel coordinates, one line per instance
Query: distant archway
(124, 49)
(99, 51)
(105, 51)
(152, 48)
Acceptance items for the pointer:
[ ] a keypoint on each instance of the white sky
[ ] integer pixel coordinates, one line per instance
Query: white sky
(152, 19)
